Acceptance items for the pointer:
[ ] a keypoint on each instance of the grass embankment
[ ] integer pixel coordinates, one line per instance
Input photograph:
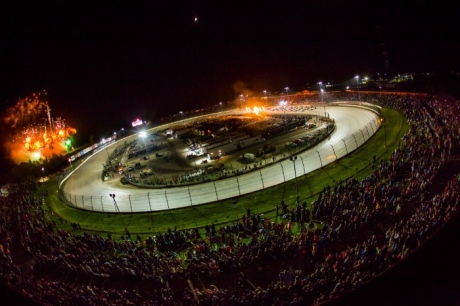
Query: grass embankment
(357, 165)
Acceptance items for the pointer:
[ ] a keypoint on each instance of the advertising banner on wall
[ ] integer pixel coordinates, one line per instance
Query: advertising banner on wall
(91, 148)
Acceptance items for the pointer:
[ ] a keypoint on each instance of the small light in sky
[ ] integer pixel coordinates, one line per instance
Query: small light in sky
(196, 18)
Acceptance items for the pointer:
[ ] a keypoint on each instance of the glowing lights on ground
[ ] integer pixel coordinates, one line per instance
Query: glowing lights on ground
(33, 132)
(36, 155)
(255, 110)
(35, 140)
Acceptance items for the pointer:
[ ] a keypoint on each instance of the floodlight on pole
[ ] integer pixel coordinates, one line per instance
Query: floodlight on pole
(287, 96)
(142, 135)
(321, 91)
(283, 104)
(293, 159)
(112, 195)
(324, 103)
(357, 84)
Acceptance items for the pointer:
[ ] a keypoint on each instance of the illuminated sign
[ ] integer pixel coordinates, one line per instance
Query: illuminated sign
(137, 122)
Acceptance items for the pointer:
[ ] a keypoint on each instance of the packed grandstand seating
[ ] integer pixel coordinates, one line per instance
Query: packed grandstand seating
(346, 251)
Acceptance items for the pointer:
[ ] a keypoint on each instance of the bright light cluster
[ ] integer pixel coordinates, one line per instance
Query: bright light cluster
(255, 110)
(33, 128)
(36, 139)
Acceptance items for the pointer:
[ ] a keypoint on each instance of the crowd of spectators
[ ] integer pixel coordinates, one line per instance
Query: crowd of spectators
(394, 202)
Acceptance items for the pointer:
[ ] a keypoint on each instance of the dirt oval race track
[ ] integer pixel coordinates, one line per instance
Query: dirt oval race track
(84, 189)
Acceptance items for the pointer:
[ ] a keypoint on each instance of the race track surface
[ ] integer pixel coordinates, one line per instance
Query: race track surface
(85, 189)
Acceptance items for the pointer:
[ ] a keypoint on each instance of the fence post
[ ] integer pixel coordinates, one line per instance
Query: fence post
(102, 205)
(238, 182)
(370, 124)
(355, 140)
(282, 169)
(334, 152)
(166, 197)
(375, 123)
(303, 165)
(345, 145)
(262, 179)
(83, 200)
(92, 206)
(364, 138)
(190, 195)
(368, 135)
(215, 190)
(321, 162)
(148, 198)
(130, 205)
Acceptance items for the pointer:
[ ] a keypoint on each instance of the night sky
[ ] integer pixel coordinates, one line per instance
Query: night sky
(104, 63)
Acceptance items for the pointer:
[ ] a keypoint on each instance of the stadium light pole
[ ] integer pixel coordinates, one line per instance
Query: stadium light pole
(320, 84)
(283, 104)
(287, 96)
(324, 103)
(287, 102)
(321, 92)
(112, 195)
(266, 98)
(357, 84)
(143, 134)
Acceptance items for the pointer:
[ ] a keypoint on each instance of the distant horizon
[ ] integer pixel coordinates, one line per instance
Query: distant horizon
(82, 137)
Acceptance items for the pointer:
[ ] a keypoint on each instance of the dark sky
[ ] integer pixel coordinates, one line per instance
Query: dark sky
(104, 63)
